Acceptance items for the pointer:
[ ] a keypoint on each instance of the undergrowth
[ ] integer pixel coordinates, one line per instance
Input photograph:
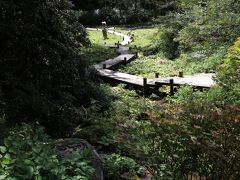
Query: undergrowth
(27, 154)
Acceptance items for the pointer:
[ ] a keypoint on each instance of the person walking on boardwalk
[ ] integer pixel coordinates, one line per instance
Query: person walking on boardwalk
(104, 30)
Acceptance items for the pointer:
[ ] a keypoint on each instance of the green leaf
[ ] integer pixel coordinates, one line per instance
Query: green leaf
(3, 177)
(3, 149)
(6, 161)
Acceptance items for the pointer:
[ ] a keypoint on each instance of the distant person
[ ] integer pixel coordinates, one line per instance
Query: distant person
(132, 37)
(129, 33)
(104, 30)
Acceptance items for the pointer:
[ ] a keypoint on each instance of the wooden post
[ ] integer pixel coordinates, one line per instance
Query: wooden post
(125, 60)
(104, 66)
(144, 87)
(156, 75)
(136, 55)
(180, 74)
(171, 81)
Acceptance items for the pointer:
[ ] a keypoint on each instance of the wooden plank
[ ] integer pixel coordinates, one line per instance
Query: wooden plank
(198, 80)
(127, 56)
(123, 50)
(110, 63)
(110, 45)
(122, 77)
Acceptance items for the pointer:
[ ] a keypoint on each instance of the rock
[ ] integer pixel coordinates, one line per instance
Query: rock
(66, 147)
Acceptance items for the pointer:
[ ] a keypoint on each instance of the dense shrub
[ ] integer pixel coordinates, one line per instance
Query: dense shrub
(116, 165)
(167, 44)
(211, 21)
(43, 74)
(229, 74)
(194, 140)
(121, 12)
(27, 154)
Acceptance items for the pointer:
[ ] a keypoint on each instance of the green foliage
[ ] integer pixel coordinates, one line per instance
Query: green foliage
(183, 96)
(121, 12)
(229, 73)
(129, 103)
(77, 166)
(27, 154)
(196, 100)
(198, 137)
(186, 142)
(147, 66)
(143, 36)
(43, 72)
(166, 44)
(116, 165)
(96, 54)
(210, 21)
(201, 59)
(197, 133)
(126, 104)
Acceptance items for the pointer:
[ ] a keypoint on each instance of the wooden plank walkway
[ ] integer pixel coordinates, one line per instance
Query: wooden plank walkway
(123, 50)
(110, 45)
(122, 77)
(202, 80)
(111, 63)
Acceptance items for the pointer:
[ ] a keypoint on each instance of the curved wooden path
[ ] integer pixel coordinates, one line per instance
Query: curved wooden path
(106, 70)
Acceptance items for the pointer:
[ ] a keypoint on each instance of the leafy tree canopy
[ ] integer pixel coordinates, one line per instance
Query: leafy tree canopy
(42, 70)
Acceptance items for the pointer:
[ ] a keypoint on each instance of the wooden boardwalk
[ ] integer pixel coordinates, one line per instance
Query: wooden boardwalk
(112, 63)
(105, 70)
(202, 80)
(122, 77)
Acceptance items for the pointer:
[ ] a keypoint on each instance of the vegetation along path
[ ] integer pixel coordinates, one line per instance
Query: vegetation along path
(106, 70)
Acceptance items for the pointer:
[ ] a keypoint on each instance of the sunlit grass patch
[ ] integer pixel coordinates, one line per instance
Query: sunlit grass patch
(96, 37)
(142, 37)
(147, 66)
